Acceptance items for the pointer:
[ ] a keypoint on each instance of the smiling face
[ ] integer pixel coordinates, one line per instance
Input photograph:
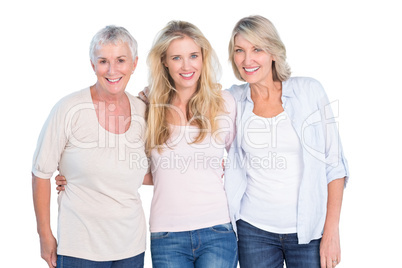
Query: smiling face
(253, 63)
(184, 62)
(113, 67)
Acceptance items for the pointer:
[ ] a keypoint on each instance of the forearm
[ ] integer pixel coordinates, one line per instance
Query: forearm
(335, 196)
(41, 199)
(148, 180)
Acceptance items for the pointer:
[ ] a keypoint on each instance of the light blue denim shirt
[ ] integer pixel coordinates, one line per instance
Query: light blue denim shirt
(307, 105)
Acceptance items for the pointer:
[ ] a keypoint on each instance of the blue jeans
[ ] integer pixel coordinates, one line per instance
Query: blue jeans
(213, 247)
(71, 262)
(259, 248)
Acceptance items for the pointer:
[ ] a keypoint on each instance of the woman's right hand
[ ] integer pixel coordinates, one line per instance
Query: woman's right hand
(48, 248)
(60, 182)
(143, 95)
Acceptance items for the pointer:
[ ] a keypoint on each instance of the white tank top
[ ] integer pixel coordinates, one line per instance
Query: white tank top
(274, 171)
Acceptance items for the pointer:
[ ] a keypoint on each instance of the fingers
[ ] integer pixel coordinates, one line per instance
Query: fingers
(54, 259)
(330, 251)
(60, 188)
(146, 91)
(323, 262)
(143, 97)
(51, 264)
(51, 259)
(60, 182)
(48, 248)
(332, 262)
(329, 262)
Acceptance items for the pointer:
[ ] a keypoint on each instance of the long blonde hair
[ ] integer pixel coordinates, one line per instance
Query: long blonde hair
(205, 104)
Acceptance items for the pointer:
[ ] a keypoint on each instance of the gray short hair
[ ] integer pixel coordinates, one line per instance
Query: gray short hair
(112, 35)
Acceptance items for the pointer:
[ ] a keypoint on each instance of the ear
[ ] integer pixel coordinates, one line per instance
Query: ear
(135, 64)
(93, 66)
(163, 60)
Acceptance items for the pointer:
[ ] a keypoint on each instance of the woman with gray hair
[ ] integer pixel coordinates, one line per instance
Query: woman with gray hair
(92, 137)
(286, 170)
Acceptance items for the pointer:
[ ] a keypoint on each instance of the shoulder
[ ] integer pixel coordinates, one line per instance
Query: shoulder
(229, 100)
(137, 104)
(306, 93)
(73, 101)
(227, 97)
(303, 86)
(237, 90)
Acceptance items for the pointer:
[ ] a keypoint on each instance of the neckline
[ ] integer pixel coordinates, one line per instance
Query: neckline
(270, 118)
(97, 119)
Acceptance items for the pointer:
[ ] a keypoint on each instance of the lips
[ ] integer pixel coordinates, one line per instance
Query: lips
(187, 75)
(250, 70)
(113, 80)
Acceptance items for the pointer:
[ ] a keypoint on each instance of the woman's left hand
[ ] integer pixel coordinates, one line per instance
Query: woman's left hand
(60, 182)
(330, 249)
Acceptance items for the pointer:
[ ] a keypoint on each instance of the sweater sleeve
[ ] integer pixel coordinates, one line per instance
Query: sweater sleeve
(51, 143)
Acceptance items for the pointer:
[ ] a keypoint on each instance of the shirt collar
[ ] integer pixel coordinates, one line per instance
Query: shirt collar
(287, 91)
(246, 93)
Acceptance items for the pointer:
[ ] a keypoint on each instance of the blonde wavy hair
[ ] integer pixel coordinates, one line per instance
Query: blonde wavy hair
(262, 33)
(205, 104)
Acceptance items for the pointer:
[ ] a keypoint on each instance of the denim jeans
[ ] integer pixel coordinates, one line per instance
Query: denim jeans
(259, 248)
(213, 247)
(71, 262)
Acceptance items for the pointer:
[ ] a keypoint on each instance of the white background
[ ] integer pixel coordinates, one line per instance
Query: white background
(352, 47)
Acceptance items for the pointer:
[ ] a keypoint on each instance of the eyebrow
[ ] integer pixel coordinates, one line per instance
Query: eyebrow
(182, 55)
(122, 56)
(254, 46)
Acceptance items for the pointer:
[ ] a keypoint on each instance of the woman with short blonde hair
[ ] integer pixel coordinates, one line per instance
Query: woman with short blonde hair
(262, 33)
(287, 169)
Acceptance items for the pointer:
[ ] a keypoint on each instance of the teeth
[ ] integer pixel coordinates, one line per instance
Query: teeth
(113, 80)
(187, 75)
(252, 70)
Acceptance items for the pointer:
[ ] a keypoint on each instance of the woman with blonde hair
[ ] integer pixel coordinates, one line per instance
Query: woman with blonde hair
(190, 123)
(287, 169)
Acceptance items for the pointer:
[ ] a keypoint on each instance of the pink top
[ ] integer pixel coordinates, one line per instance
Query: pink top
(188, 185)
